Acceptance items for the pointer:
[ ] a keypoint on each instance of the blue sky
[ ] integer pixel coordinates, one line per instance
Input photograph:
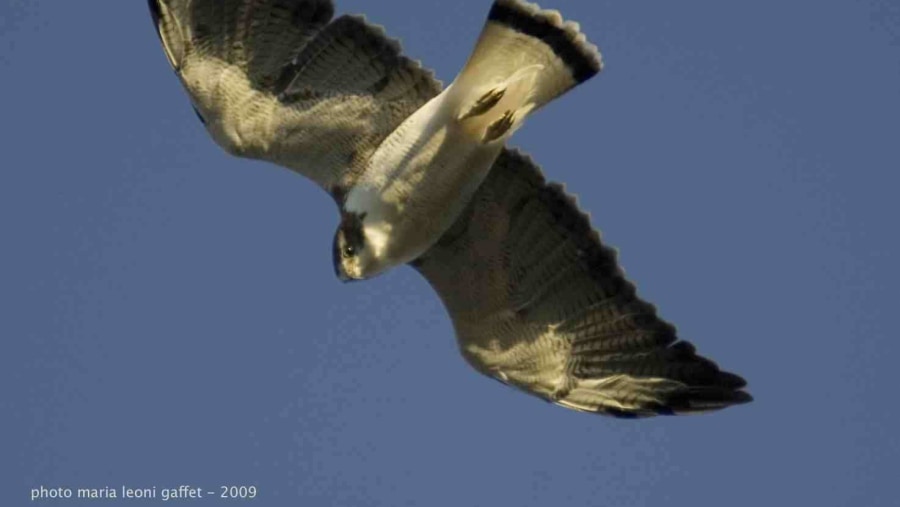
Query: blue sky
(170, 315)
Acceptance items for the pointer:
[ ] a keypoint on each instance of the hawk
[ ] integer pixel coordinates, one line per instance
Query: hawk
(422, 176)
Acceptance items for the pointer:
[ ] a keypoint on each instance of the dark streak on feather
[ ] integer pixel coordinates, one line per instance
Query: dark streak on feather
(200, 116)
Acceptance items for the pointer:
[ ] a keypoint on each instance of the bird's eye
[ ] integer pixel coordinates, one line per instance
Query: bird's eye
(348, 251)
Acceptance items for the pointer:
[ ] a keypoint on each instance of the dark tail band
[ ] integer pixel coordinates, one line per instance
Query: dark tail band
(569, 44)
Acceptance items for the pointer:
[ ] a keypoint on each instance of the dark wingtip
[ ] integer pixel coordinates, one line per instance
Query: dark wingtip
(564, 38)
(155, 13)
(741, 397)
(703, 399)
(731, 380)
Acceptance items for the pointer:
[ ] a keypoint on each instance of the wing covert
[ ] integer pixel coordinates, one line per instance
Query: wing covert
(539, 302)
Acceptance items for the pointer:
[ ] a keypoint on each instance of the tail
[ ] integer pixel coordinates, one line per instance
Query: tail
(524, 58)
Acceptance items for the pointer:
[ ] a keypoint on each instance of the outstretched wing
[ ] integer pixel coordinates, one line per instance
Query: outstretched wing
(279, 80)
(540, 303)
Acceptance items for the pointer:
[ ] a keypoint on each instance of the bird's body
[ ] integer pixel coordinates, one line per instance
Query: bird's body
(422, 176)
(425, 171)
(414, 187)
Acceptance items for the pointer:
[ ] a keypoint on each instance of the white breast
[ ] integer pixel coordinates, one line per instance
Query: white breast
(419, 180)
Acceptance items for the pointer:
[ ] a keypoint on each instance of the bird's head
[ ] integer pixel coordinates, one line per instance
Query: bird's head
(352, 252)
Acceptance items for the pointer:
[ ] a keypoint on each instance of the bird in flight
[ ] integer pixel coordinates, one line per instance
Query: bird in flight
(422, 176)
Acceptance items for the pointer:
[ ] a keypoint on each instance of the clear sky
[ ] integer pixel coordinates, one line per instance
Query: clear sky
(169, 315)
